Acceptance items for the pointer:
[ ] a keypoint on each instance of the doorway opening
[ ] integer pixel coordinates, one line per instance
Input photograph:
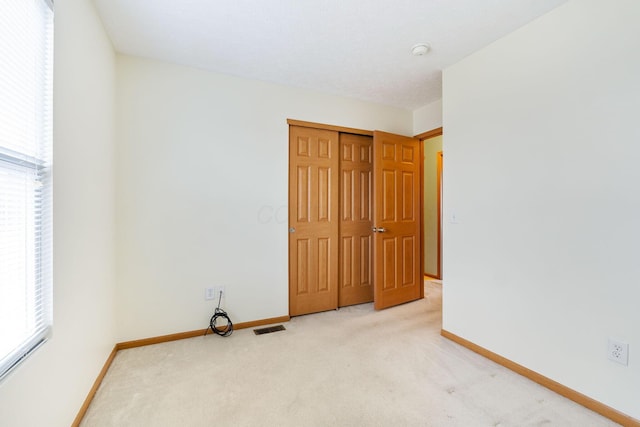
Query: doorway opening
(432, 199)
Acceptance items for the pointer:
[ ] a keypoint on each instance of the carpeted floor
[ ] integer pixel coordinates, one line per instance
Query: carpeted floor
(351, 367)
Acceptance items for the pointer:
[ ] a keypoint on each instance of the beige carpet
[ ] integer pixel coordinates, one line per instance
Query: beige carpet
(351, 367)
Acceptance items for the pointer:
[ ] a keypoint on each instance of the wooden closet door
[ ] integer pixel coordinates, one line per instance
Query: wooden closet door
(356, 219)
(313, 220)
(397, 218)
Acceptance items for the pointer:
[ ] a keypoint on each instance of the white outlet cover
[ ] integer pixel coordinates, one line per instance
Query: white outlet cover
(209, 293)
(618, 351)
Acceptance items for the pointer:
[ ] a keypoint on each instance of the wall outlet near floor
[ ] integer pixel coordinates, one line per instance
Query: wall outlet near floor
(209, 293)
(618, 351)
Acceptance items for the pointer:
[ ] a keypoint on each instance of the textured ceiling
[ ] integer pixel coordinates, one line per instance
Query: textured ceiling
(355, 48)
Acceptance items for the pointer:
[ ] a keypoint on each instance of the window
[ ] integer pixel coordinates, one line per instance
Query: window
(26, 60)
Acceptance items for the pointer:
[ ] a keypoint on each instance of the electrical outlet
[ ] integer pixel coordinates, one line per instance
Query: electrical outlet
(618, 351)
(209, 293)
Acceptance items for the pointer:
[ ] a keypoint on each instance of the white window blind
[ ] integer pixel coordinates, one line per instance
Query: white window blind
(26, 71)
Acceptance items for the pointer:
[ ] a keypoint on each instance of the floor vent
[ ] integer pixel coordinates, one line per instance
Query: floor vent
(269, 329)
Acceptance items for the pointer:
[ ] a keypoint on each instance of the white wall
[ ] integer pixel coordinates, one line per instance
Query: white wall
(49, 388)
(427, 117)
(542, 171)
(203, 190)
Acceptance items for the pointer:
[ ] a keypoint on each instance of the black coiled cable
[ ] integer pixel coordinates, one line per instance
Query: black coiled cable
(220, 313)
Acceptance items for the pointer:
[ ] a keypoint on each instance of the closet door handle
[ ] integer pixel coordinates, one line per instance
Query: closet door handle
(379, 230)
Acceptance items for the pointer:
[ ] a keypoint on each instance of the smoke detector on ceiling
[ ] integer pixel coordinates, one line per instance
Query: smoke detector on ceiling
(420, 49)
